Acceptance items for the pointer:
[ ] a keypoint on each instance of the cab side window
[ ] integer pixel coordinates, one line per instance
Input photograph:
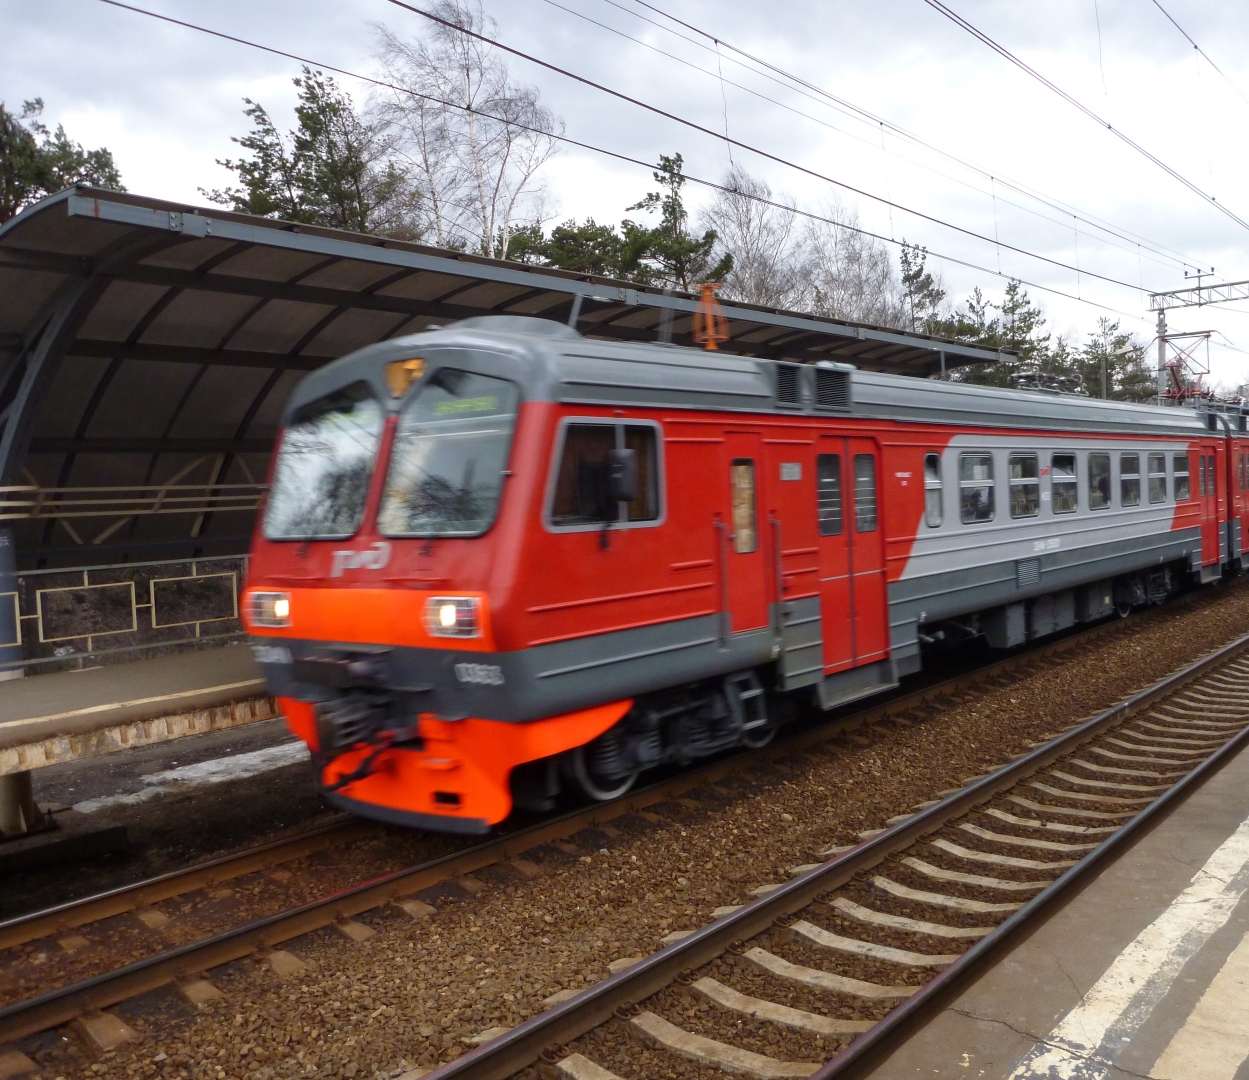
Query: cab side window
(583, 491)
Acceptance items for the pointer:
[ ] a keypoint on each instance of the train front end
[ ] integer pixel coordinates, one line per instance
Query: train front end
(377, 598)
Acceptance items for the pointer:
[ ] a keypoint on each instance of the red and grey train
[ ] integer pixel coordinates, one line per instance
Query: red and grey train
(499, 558)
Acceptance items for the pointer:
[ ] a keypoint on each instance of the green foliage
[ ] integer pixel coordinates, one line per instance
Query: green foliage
(1013, 325)
(35, 162)
(333, 170)
(667, 255)
(673, 256)
(921, 294)
(1128, 374)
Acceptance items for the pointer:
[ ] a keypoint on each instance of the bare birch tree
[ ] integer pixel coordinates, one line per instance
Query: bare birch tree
(762, 238)
(473, 140)
(849, 275)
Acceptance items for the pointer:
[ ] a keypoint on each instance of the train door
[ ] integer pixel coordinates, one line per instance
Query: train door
(836, 583)
(1207, 489)
(871, 602)
(745, 541)
(852, 564)
(1237, 487)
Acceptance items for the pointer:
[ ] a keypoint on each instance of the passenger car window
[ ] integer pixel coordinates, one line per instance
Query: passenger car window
(742, 478)
(1025, 486)
(1201, 476)
(1181, 477)
(1099, 481)
(864, 493)
(933, 506)
(1157, 478)
(582, 485)
(975, 487)
(1064, 487)
(325, 463)
(1129, 479)
(828, 493)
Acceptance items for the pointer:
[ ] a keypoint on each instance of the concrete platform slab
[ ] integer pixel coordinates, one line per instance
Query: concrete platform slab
(1144, 972)
(46, 719)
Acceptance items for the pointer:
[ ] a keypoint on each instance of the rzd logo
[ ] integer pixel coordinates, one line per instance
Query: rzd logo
(371, 558)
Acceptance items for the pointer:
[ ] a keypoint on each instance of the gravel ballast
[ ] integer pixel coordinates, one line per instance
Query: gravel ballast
(414, 993)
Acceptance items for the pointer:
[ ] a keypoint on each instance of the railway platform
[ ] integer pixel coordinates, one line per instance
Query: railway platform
(50, 719)
(1144, 972)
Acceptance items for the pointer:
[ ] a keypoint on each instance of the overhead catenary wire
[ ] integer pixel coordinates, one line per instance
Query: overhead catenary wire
(1187, 37)
(871, 118)
(1159, 255)
(1006, 54)
(768, 155)
(616, 155)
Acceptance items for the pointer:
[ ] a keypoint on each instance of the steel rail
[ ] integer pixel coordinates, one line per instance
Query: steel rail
(522, 1045)
(67, 1003)
(88, 909)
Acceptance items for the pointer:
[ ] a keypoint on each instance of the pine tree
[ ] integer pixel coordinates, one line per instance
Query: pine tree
(35, 162)
(334, 169)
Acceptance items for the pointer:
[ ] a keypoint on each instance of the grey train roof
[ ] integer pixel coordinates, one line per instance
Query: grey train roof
(554, 363)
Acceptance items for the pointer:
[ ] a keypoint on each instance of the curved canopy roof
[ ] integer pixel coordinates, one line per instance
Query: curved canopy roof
(147, 347)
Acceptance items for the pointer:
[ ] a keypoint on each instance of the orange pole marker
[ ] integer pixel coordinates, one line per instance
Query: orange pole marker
(710, 324)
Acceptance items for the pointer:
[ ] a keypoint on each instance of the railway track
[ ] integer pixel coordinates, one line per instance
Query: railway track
(861, 946)
(264, 936)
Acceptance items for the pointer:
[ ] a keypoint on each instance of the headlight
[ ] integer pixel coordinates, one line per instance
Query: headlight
(453, 616)
(270, 608)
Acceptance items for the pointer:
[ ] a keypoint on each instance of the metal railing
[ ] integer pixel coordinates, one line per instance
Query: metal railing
(123, 503)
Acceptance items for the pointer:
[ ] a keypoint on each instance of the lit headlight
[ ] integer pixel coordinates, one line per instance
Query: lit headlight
(270, 608)
(453, 616)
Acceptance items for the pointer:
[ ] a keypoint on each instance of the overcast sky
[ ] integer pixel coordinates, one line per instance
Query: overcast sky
(166, 100)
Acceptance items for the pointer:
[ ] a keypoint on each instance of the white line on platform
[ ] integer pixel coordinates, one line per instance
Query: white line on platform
(215, 771)
(1214, 1042)
(1086, 1041)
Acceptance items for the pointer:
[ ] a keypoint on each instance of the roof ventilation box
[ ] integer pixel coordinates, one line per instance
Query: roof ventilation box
(788, 384)
(832, 387)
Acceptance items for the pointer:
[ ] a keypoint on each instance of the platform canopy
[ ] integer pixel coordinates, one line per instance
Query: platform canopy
(146, 349)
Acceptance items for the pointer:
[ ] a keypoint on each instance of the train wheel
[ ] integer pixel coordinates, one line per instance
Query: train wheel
(754, 738)
(599, 788)
(1123, 610)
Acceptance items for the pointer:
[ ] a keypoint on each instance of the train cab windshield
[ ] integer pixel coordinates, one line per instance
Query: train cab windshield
(450, 452)
(324, 467)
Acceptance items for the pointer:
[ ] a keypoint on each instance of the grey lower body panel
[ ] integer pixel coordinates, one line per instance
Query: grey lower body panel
(847, 686)
(951, 594)
(801, 662)
(546, 680)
